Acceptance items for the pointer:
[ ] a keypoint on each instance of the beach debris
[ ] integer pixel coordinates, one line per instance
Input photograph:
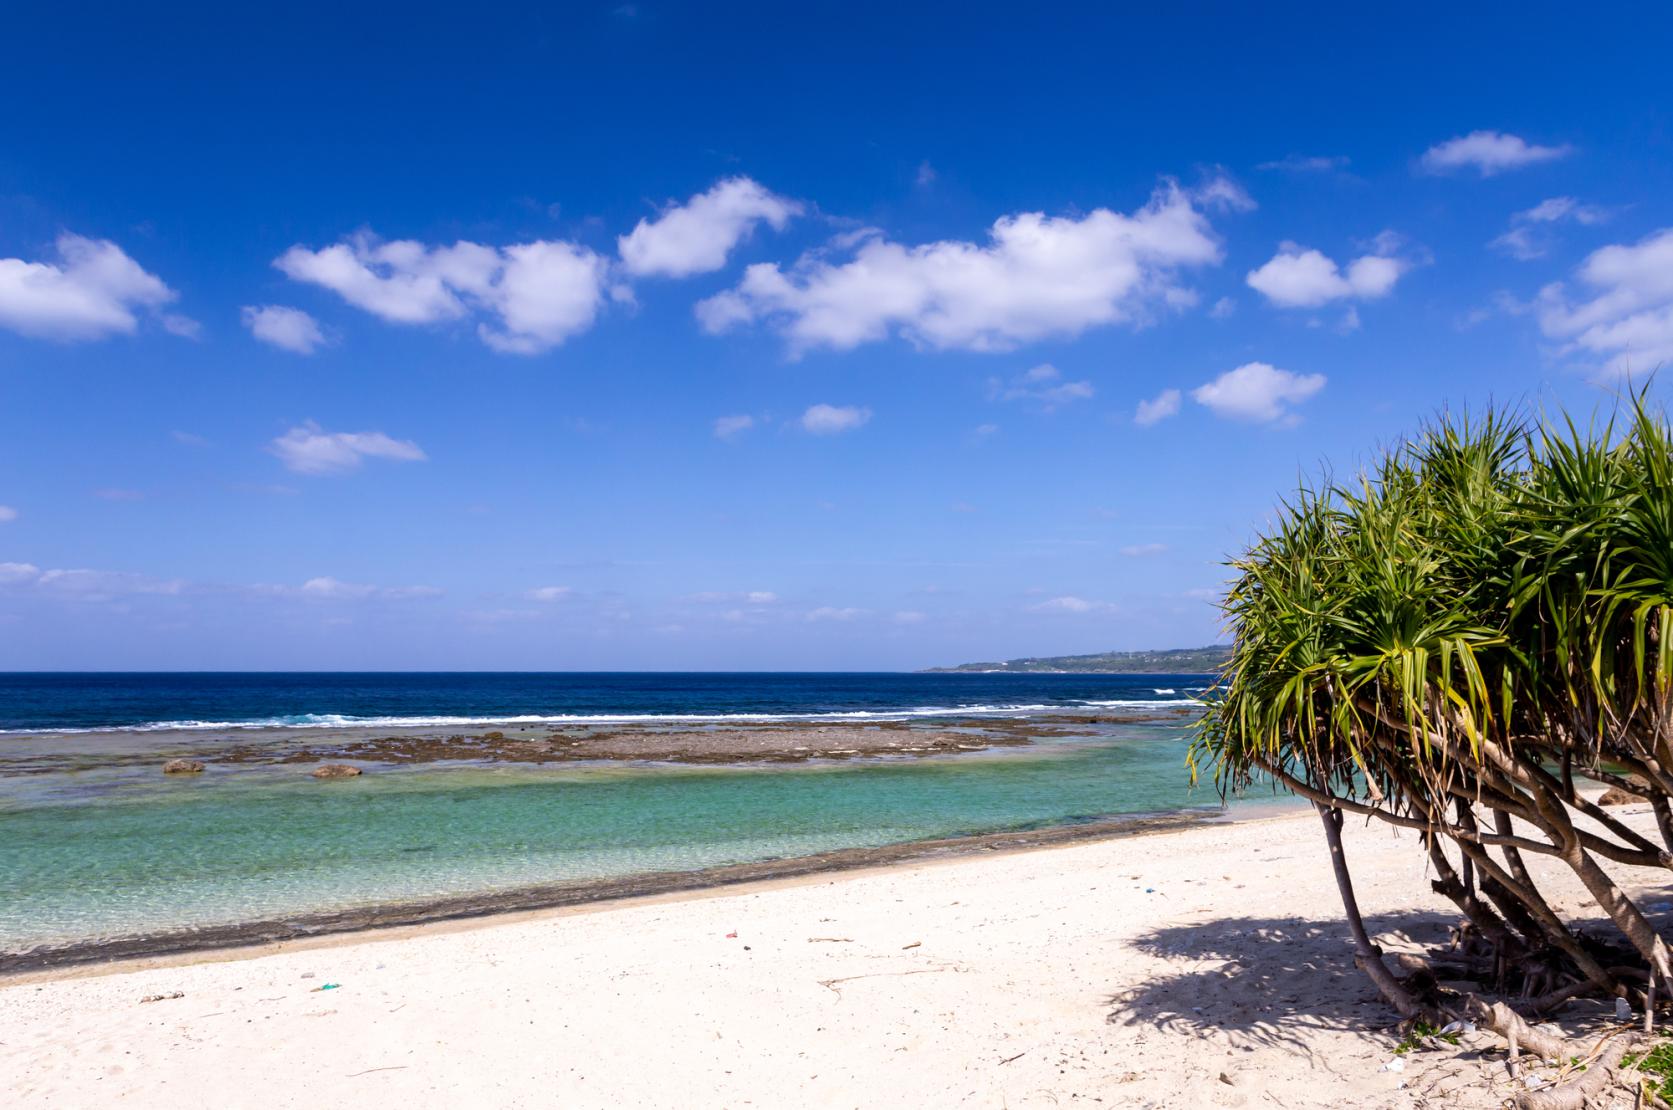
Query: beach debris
(1228, 1079)
(369, 1071)
(830, 940)
(914, 944)
(1623, 1010)
(1018, 1056)
(1615, 796)
(1397, 1064)
(183, 767)
(162, 997)
(335, 771)
(325, 987)
(733, 935)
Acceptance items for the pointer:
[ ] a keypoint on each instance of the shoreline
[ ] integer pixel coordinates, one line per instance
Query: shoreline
(1198, 963)
(366, 923)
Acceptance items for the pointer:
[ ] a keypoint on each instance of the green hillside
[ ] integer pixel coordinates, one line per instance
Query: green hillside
(1173, 661)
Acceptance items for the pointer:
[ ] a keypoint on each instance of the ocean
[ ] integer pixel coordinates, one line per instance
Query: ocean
(99, 848)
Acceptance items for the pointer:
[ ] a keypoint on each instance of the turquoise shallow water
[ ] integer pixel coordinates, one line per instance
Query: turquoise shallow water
(89, 855)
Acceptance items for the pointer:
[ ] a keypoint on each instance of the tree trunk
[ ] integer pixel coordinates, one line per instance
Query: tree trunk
(1367, 956)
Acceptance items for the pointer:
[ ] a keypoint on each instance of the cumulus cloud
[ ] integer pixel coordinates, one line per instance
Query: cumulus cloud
(827, 420)
(696, 237)
(92, 291)
(728, 426)
(1489, 153)
(1628, 322)
(289, 329)
(308, 449)
(1529, 237)
(1036, 276)
(1257, 392)
(7, 514)
(1042, 385)
(1158, 408)
(536, 295)
(1299, 277)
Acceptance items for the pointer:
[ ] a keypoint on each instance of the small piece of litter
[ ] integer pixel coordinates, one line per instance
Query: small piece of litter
(733, 935)
(1458, 1027)
(325, 987)
(1623, 1010)
(1226, 1078)
(914, 944)
(1396, 1064)
(163, 997)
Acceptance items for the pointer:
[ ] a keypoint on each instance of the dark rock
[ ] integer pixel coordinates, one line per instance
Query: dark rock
(1615, 796)
(183, 767)
(335, 771)
(493, 736)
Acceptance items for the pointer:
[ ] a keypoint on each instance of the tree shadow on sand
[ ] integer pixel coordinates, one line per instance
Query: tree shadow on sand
(1268, 981)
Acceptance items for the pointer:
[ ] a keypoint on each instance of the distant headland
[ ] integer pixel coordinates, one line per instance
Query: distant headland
(1201, 660)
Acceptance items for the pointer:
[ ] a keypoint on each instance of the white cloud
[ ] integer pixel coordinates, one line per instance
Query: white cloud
(308, 449)
(1489, 153)
(549, 593)
(326, 588)
(1298, 163)
(289, 329)
(761, 597)
(1143, 550)
(102, 585)
(92, 291)
(183, 326)
(925, 176)
(1257, 392)
(539, 294)
(1158, 408)
(1043, 385)
(7, 514)
(829, 613)
(1299, 277)
(1223, 308)
(1526, 239)
(826, 420)
(13, 573)
(696, 237)
(1074, 605)
(1036, 276)
(983, 431)
(910, 616)
(728, 426)
(1629, 321)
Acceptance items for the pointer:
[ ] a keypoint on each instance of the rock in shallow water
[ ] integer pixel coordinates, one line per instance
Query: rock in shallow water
(335, 771)
(183, 767)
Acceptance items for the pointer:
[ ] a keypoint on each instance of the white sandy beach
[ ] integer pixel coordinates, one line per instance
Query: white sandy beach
(1198, 967)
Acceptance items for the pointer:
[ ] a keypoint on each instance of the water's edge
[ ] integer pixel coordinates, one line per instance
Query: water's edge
(584, 892)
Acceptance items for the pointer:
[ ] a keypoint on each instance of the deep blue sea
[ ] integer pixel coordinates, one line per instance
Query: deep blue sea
(60, 702)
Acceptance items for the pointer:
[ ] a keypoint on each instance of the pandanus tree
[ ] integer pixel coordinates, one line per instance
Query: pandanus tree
(1463, 641)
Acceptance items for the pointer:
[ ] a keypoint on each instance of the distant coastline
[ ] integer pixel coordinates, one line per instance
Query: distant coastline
(1203, 660)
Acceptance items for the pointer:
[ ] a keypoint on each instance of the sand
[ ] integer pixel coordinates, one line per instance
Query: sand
(1201, 967)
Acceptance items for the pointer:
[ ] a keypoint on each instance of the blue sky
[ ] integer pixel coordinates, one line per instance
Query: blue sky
(764, 336)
